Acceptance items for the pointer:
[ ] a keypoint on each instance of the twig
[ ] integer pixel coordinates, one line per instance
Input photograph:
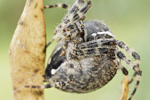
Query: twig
(124, 89)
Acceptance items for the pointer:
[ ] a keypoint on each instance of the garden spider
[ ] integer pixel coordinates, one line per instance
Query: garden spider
(87, 55)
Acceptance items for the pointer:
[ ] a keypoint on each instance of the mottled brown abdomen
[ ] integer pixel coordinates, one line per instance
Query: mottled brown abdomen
(91, 74)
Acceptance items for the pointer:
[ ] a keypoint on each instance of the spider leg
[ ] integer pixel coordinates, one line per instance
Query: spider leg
(75, 32)
(94, 47)
(73, 14)
(132, 53)
(134, 66)
(67, 32)
(95, 43)
(75, 8)
(123, 69)
(59, 5)
(77, 15)
(38, 86)
(56, 84)
(73, 17)
(133, 77)
(94, 51)
(59, 29)
(81, 30)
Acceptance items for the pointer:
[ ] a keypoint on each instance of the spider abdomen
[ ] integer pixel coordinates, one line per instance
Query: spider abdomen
(90, 73)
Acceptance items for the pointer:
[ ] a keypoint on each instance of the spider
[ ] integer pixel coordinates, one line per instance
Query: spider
(86, 56)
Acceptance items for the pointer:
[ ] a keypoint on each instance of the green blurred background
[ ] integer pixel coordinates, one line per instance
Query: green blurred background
(129, 20)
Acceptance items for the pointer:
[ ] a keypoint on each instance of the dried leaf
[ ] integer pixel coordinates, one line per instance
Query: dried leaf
(27, 52)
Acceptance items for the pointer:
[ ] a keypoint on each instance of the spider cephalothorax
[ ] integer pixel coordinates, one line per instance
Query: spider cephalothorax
(87, 55)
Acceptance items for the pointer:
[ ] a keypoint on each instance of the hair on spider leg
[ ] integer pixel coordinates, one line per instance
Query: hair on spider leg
(59, 5)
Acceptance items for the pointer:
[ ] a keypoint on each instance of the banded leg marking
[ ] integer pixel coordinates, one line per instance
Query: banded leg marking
(134, 67)
(56, 84)
(77, 5)
(59, 5)
(74, 15)
(95, 43)
(130, 51)
(93, 52)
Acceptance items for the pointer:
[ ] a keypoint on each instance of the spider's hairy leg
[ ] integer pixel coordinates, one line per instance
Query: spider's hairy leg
(81, 30)
(95, 47)
(132, 53)
(94, 51)
(67, 35)
(123, 69)
(67, 32)
(135, 67)
(76, 7)
(39, 86)
(56, 85)
(95, 44)
(74, 31)
(133, 77)
(73, 15)
(59, 29)
(59, 5)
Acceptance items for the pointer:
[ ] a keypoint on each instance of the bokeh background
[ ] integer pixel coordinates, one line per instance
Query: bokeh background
(129, 20)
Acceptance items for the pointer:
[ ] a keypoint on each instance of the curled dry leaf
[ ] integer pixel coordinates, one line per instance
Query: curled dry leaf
(124, 88)
(27, 52)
